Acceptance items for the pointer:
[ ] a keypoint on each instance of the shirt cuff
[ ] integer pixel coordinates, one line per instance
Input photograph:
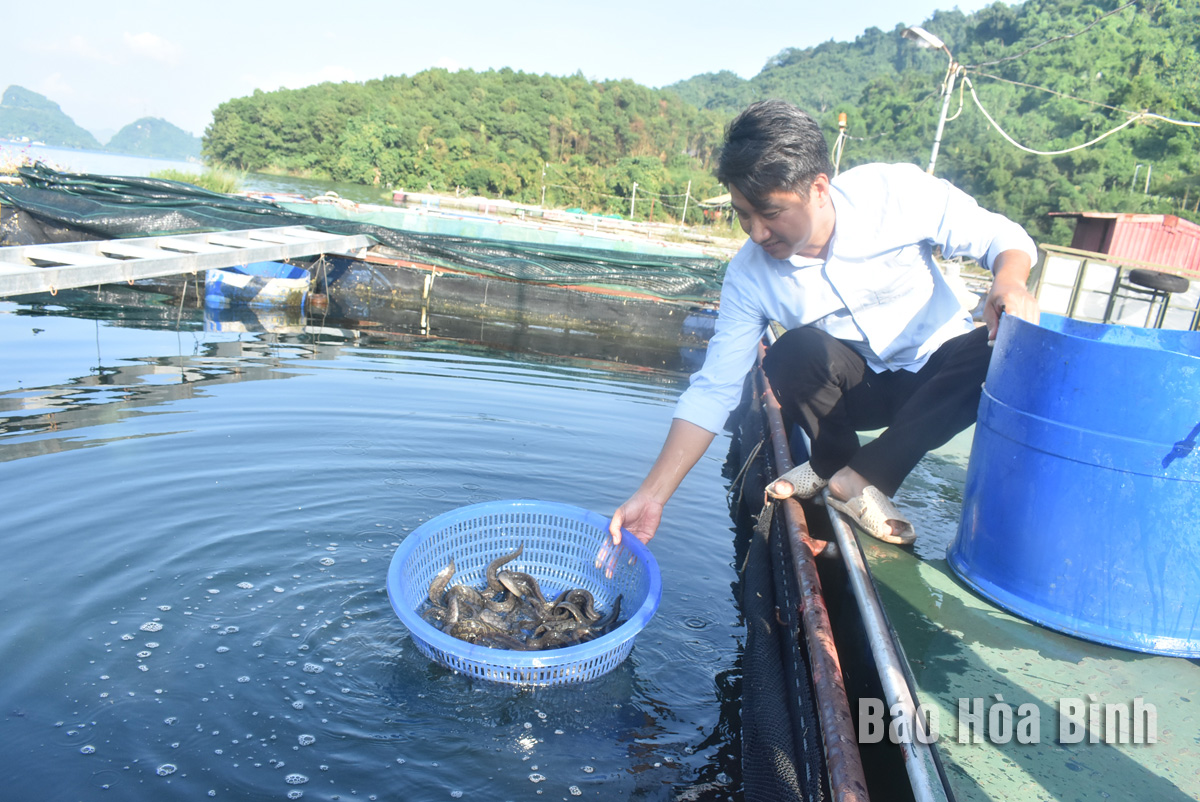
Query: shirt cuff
(1014, 243)
(694, 408)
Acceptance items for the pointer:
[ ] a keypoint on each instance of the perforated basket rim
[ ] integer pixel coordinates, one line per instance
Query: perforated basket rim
(486, 656)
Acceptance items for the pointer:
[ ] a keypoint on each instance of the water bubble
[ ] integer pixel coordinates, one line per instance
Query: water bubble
(143, 668)
(588, 769)
(213, 590)
(277, 589)
(307, 740)
(87, 750)
(149, 626)
(313, 668)
(295, 779)
(536, 778)
(298, 704)
(295, 794)
(144, 655)
(528, 726)
(574, 790)
(456, 794)
(245, 585)
(243, 679)
(151, 644)
(401, 761)
(222, 649)
(170, 720)
(229, 630)
(327, 561)
(166, 769)
(164, 607)
(128, 637)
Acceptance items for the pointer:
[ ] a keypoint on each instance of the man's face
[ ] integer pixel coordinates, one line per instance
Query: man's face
(787, 224)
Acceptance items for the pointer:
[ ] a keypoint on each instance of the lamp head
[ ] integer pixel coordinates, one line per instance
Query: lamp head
(923, 38)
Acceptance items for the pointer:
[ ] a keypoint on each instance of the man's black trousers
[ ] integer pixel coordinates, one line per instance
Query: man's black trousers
(825, 386)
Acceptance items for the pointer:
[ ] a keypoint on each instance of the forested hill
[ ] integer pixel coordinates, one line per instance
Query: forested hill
(1053, 74)
(24, 113)
(500, 133)
(156, 138)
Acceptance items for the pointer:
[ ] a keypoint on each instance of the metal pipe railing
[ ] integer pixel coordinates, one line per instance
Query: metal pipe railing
(918, 756)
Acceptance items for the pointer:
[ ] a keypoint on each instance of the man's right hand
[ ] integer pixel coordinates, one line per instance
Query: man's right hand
(640, 515)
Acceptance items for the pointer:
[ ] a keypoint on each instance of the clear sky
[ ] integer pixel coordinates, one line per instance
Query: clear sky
(107, 64)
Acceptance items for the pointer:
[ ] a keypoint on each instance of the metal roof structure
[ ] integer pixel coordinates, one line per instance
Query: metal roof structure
(1160, 239)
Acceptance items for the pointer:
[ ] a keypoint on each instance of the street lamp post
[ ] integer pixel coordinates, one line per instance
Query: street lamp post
(923, 38)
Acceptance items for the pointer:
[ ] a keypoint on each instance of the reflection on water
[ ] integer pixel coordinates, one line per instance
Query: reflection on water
(198, 532)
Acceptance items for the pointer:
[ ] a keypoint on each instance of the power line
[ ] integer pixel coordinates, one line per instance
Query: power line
(1054, 92)
(1019, 146)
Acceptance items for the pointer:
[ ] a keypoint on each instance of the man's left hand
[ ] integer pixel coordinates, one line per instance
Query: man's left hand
(1008, 293)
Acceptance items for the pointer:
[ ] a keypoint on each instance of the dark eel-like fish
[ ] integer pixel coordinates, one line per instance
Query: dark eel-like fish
(493, 582)
(438, 586)
(523, 586)
(511, 612)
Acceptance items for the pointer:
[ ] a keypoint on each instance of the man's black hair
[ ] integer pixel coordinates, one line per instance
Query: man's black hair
(772, 145)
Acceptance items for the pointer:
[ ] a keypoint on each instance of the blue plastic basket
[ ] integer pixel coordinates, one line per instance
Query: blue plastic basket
(561, 543)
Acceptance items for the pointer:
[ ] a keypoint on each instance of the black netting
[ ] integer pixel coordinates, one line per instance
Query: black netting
(117, 206)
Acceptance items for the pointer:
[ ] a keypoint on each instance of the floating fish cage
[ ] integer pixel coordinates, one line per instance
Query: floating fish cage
(561, 543)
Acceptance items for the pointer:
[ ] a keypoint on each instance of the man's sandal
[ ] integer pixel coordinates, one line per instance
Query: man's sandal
(805, 481)
(874, 513)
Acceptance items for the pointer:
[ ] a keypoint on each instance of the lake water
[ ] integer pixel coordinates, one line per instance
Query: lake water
(198, 527)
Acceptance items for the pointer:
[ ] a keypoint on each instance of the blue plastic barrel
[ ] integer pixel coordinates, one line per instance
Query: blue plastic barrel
(1081, 510)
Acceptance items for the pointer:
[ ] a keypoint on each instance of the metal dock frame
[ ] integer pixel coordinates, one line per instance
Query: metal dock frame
(49, 268)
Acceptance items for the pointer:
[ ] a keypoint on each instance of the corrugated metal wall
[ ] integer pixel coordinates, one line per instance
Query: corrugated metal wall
(1155, 238)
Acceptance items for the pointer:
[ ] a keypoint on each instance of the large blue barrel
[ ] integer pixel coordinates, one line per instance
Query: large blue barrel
(1081, 510)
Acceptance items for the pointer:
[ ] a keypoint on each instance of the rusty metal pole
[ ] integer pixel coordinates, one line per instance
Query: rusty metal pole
(842, 757)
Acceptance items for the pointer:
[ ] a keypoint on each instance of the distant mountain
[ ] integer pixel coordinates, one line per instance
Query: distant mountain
(24, 113)
(155, 138)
